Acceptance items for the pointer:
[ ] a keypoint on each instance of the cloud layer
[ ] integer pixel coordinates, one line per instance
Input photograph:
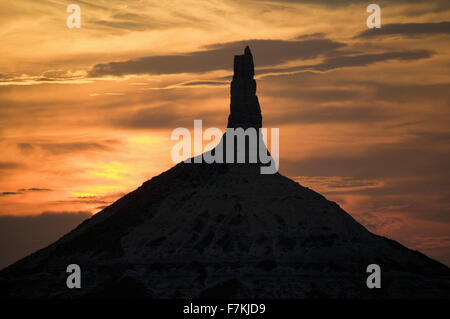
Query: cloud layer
(22, 235)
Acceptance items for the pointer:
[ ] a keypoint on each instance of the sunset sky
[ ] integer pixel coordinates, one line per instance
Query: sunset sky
(86, 114)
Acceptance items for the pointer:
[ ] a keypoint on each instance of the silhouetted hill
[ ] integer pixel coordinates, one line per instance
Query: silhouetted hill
(225, 230)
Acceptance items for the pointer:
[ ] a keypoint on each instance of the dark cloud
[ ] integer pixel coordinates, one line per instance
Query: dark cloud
(311, 36)
(343, 59)
(70, 147)
(22, 235)
(35, 189)
(424, 137)
(104, 199)
(267, 54)
(408, 29)
(366, 59)
(25, 147)
(81, 200)
(5, 166)
(337, 183)
(217, 57)
(62, 148)
(10, 193)
(402, 92)
(25, 190)
(205, 83)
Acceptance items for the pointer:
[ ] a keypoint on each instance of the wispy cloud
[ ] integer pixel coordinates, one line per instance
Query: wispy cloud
(408, 29)
(345, 60)
(71, 147)
(50, 76)
(25, 190)
(216, 57)
(7, 166)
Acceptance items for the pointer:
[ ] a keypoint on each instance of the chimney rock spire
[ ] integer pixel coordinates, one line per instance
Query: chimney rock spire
(245, 111)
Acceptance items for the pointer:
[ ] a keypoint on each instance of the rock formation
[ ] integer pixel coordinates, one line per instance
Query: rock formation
(223, 230)
(244, 107)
